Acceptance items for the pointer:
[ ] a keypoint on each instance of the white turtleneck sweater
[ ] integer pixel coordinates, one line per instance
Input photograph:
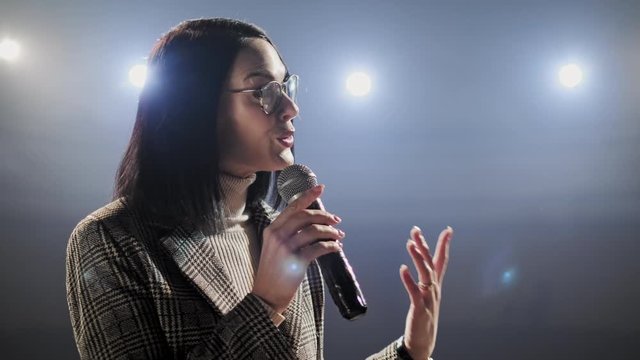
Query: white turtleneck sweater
(237, 245)
(239, 250)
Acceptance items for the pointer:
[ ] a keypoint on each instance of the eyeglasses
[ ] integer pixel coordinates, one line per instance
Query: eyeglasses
(270, 95)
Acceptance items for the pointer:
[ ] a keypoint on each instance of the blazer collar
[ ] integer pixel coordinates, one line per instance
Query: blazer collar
(198, 261)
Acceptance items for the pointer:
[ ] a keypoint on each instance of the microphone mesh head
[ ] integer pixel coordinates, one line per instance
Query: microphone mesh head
(295, 179)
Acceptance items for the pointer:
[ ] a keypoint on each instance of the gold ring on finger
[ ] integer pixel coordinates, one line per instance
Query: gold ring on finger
(424, 286)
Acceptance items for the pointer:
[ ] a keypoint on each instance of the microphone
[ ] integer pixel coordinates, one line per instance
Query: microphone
(336, 271)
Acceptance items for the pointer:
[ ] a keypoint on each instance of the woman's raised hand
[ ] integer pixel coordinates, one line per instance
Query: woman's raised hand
(421, 326)
(289, 244)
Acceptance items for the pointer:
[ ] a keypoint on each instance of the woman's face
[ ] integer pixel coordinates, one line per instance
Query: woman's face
(249, 139)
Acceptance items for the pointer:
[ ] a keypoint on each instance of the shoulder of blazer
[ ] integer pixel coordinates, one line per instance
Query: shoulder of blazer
(107, 219)
(126, 227)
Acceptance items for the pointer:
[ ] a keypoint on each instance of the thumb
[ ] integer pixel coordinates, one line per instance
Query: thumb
(412, 289)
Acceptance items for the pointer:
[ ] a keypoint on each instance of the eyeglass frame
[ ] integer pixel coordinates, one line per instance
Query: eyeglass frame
(258, 92)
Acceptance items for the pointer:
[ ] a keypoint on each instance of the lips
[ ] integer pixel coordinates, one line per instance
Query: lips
(286, 139)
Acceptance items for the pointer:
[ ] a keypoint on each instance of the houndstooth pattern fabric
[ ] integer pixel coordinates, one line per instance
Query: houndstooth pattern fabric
(139, 290)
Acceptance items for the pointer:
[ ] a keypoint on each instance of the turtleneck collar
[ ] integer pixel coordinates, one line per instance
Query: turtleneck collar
(234, 197)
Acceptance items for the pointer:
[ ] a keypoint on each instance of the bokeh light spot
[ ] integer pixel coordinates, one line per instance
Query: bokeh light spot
(9, 50)
(570, 75)
(508, 277)
(138, 75)
(358, 84)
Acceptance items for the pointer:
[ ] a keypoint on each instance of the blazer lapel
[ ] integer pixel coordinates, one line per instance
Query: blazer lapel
(194, 256)
(262, 216)
(197, 260)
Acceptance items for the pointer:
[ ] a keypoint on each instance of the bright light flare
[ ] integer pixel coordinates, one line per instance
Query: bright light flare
(9, 50)
(358, 84)
(294, 267)
(138, 75)
(570, 75)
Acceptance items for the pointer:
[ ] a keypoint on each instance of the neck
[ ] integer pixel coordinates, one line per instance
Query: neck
(234, 197)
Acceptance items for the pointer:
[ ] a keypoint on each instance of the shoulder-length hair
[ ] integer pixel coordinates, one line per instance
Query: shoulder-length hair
(170, 169)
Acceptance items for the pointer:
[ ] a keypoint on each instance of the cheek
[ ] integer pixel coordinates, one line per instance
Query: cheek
(224, 124)
(251, 130)
(233, 123)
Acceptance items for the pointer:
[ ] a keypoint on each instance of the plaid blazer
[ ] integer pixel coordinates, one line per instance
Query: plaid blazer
(138, 290)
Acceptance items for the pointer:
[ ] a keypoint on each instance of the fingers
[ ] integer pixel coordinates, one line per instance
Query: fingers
(296, 216)
(423, 247)
(430, 270)
(317, 249)
(419, 297)
(438, 263)
(313, 233)
(425, 273)
(299, 229)
(441, 258)
(305, 199)
(301, 219)
(409, 284)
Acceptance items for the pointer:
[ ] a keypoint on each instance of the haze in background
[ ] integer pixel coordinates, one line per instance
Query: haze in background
(465, 125)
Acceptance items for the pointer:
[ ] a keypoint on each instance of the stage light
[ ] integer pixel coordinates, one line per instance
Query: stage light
(138, 75)
(570, 75)
(358, 84)
(9, 50)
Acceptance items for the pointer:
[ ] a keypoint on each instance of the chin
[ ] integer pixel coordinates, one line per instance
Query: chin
(280, 162)
(286, 157)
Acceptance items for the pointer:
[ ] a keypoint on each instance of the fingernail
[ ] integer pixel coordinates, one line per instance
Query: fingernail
(337, 218)
(341, 233)
(416, 230)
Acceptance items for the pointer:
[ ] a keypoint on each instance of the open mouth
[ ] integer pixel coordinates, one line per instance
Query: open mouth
(286, 141)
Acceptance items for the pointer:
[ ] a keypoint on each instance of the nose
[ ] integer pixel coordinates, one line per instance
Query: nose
(288, 109)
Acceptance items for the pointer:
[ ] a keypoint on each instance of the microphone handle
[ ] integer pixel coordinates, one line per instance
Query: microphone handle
(341, 281)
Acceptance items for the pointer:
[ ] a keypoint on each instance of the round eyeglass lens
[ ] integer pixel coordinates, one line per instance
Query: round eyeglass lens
(270, 96)
(291, 87)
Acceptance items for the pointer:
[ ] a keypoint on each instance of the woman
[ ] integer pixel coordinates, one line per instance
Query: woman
(188, 260)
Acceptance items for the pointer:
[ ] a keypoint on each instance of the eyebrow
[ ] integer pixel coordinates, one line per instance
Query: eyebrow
(260, 72)
(263, 73)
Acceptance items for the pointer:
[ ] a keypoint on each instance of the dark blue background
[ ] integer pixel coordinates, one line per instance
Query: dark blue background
(466, 126)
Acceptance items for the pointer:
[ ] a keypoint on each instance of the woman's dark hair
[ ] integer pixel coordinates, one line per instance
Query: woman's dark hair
(170, 169)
